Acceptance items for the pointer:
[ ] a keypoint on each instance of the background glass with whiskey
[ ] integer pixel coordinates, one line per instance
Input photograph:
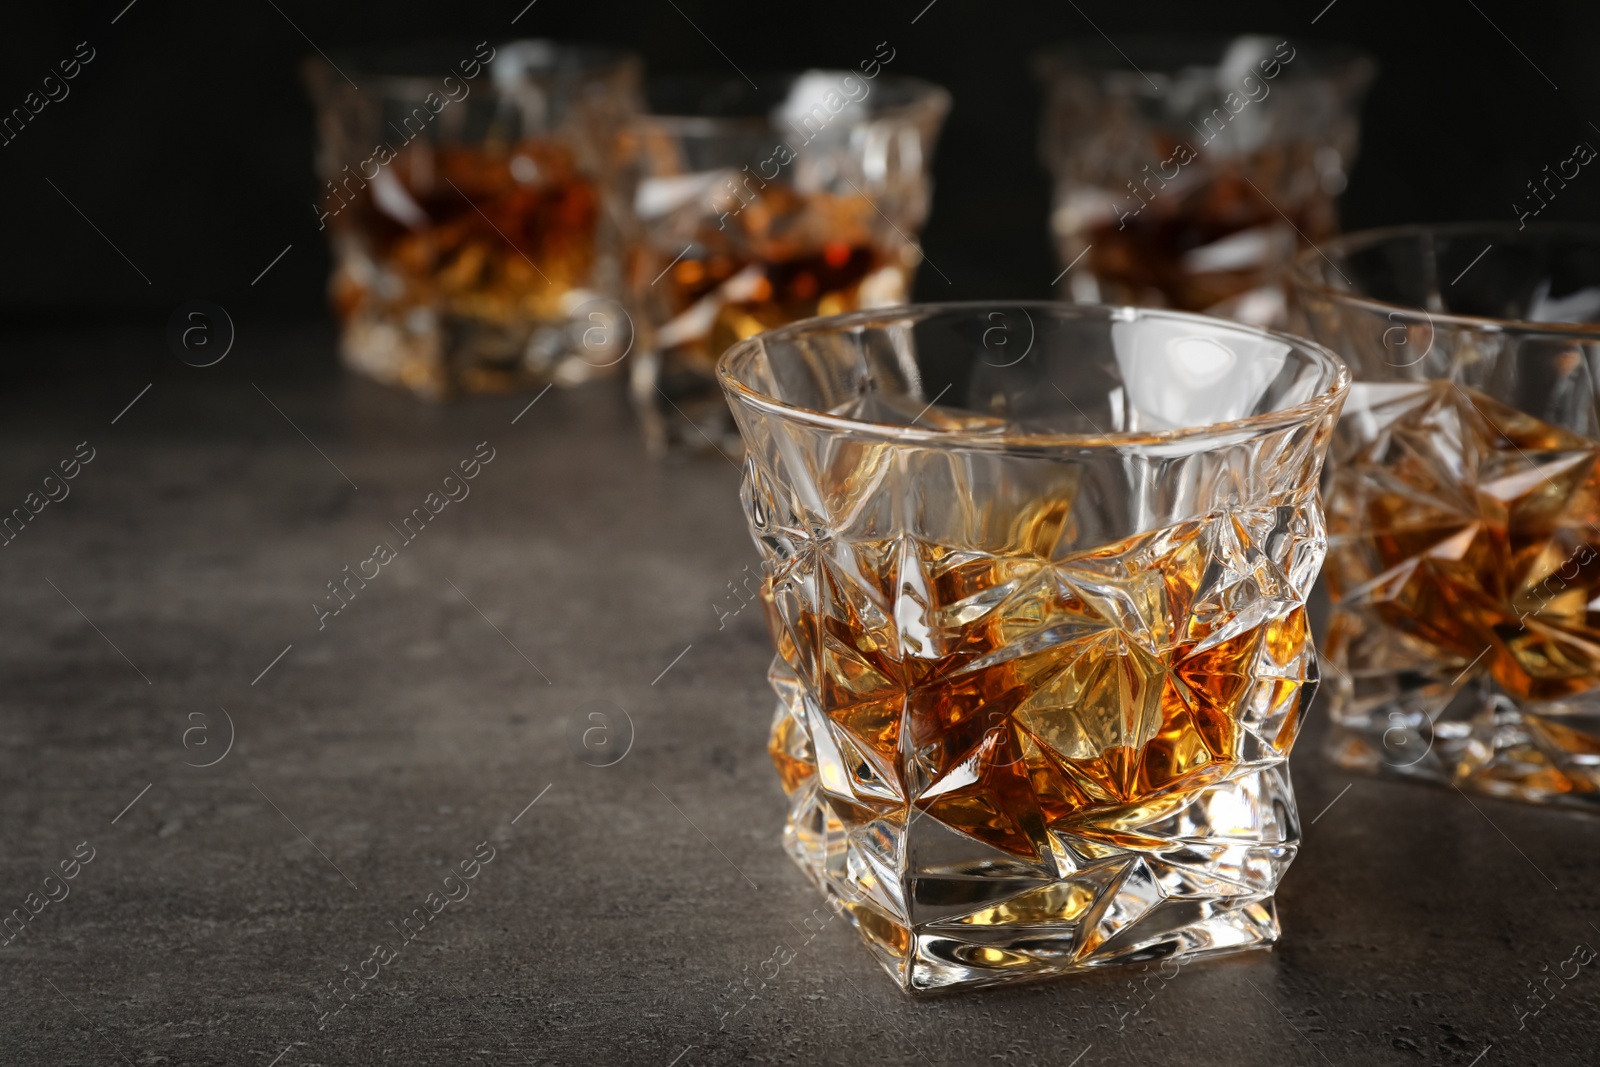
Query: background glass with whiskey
(1463, 500)
(470, 194)
(758, 207)
(1189, 172)
(1037, 578)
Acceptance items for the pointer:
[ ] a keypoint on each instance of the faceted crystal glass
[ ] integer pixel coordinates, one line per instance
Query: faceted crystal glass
(471, 198)
(1463, 496)
(1037, 578)
(1188, 172)
(757, 208)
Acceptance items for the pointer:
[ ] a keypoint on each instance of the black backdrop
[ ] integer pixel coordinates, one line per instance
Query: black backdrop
(187, 139)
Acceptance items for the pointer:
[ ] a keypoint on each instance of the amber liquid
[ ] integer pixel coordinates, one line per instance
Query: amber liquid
(810, 283)
(783, 257)
(499, 233)
(1113, 680)
(1471, 529)
(1141, 257)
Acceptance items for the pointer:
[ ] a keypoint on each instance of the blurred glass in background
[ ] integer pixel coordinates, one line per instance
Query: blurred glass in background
(757, 207)
(1463, 497)
(1189, 172)
(470, 194)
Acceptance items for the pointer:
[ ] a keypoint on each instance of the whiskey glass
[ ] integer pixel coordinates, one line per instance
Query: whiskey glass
(758, 207)
(471, 198)
(1463, 492)
(1188, 172)
(1037, 575)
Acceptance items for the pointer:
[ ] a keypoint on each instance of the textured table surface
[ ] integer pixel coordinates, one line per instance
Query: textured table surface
(636, 913)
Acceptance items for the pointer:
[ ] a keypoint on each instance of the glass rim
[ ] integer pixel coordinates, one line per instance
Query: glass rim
(1200, 59)
(1305, 277)
(1327, 399)
(587, 60)
(924, 94)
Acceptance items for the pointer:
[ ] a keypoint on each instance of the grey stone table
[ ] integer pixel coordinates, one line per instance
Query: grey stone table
(160, 618)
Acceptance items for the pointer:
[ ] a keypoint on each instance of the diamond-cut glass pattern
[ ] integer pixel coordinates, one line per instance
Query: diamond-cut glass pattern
(1464, 509)
(1464, 539)
(1015, 745)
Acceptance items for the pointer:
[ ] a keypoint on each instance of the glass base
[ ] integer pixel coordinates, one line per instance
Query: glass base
(684, 413)
(1184, 888)
(1472, 737)
(441, 357)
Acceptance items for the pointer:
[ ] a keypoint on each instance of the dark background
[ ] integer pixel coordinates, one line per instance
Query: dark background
(611, 929)
(187, 139)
